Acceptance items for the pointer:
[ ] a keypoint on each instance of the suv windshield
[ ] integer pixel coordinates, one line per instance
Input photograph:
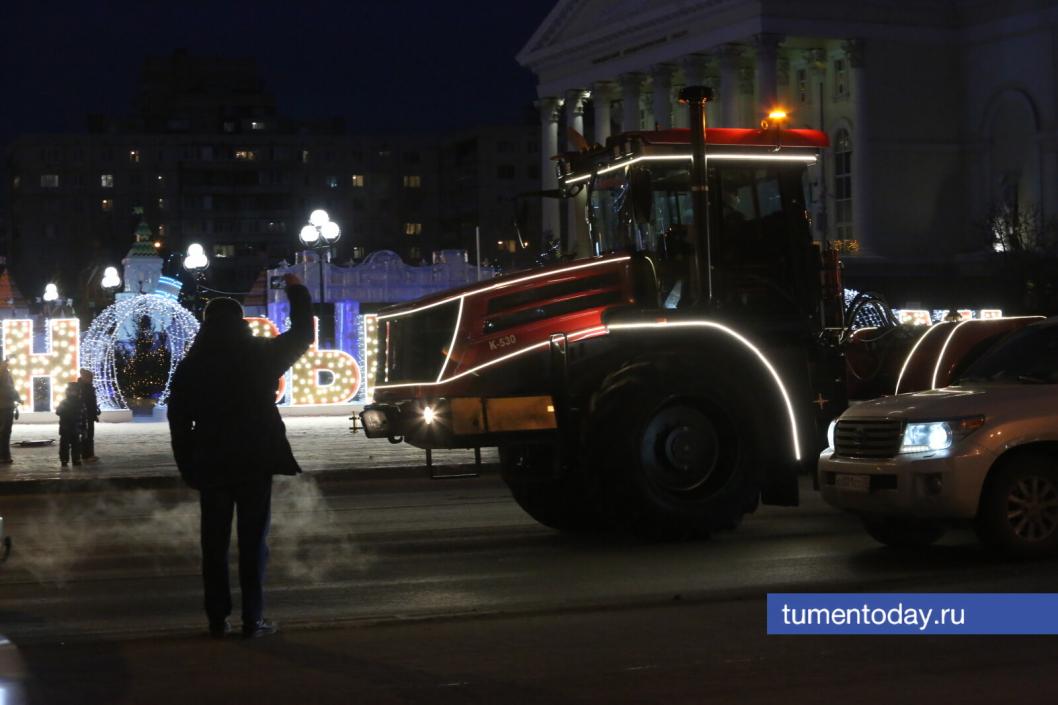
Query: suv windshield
(1028, 356)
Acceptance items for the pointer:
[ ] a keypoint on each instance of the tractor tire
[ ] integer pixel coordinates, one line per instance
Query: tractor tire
(903, 532)
(1018, 512)
(557, 502)
(675, 456)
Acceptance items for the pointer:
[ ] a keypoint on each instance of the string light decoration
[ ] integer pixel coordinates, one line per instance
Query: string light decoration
(306, 386)
(118, 325)
(369, 354)
(60, 362)
(264, 328)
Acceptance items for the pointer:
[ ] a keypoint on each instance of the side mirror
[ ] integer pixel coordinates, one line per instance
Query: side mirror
(641, 194)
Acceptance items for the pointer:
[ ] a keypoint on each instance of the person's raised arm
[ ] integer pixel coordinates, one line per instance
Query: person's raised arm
(289, 346)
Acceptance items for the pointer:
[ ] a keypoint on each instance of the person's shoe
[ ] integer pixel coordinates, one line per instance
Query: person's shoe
(219, 630)
(63, 463)
(261, 627)
(77, 462)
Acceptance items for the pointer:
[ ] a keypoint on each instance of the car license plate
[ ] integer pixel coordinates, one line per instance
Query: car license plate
(853, 483)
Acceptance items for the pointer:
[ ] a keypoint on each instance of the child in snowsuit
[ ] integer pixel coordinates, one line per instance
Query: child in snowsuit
(71, 416)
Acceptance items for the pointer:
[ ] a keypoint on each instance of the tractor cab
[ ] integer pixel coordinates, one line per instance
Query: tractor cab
(756, 256)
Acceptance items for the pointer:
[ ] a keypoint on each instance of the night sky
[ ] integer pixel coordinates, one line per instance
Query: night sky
(383, 65)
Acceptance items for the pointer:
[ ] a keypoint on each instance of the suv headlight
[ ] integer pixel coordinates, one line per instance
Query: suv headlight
(924, 436)
(830, 434)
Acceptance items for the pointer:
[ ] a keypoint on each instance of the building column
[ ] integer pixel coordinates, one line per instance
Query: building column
(862, 224)
(816, 64)
(574, 104)
(631, 90)
(550, 219)
(729, 55)
(661, 75)
(602, 93)
(767, 46)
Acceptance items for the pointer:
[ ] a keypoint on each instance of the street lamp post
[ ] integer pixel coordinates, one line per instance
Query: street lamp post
(49, 298)
(319, 235)
(111, 281)
(196, 262)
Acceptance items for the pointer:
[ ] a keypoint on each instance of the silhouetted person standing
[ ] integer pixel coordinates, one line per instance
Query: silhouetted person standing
(90, 404)
(71, 417)
(228, 440)
(9, 399)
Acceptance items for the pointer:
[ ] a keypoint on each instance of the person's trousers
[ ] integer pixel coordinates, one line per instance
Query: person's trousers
(7, 418)
(252, 503)
(69, 444)
(88, 439)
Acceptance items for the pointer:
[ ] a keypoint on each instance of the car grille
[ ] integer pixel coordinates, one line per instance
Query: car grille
(868, 438)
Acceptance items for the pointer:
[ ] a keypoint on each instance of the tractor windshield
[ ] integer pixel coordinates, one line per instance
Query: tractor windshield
(759, 232)
(758, 205)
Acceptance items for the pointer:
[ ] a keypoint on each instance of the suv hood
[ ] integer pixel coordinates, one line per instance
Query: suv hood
(955, 401)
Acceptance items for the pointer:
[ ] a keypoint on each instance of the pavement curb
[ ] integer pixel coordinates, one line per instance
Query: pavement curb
(173, 481)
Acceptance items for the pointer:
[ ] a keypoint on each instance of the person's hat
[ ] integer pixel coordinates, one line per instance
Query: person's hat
(222, 308)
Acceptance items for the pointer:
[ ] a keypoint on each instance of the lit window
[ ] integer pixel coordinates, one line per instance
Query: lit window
(304, 156)
(49, 181)
(357, 180)
(161, 231)
(843, 185)
(332, 182)
(413, 228)
(106, 205)
(161, 204)
(161, 180)
(224, 250)
(412, 181)
(802, 85)
(841, 79)
(255, 125)
(247, 155)
(134, 156)
(16, 182)
(106, 180)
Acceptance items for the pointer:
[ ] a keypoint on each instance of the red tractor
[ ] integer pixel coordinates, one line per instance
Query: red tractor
(683, 369)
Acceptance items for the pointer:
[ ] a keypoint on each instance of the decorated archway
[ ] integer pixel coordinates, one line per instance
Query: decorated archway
(140, 335)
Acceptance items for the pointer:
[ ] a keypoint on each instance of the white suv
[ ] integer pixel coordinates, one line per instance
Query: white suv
(984, 449)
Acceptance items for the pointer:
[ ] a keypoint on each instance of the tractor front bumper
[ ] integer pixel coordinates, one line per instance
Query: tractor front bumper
(460, 422)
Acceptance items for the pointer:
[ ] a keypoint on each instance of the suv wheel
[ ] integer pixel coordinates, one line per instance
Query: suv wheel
(1018, 513)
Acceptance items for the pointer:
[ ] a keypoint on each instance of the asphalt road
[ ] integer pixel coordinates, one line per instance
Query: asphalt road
(406, 590)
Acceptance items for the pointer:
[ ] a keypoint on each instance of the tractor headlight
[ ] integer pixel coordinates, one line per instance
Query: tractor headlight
(921, 437)
(428, 415)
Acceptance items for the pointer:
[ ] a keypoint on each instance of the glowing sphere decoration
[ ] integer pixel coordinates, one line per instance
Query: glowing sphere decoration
(118, 325)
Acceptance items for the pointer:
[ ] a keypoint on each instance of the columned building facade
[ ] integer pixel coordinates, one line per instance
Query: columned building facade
(941, 114)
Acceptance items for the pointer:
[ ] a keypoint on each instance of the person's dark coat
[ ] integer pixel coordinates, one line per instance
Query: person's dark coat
(89, 401)
(224, 423)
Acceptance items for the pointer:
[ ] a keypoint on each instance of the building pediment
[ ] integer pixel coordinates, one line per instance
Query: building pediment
(576, 23)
